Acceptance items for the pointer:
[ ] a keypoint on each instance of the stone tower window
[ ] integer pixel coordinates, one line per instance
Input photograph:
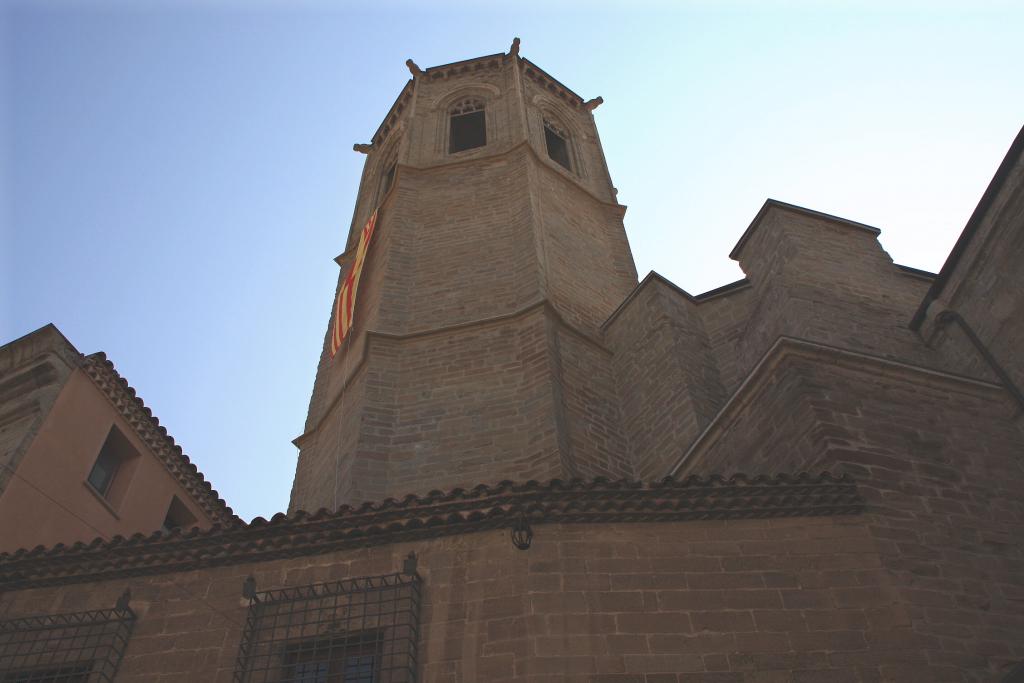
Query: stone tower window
(388, 180)
(467, 125)
(558, 144)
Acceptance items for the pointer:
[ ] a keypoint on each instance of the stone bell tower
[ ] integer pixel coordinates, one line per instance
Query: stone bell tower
(475, 354)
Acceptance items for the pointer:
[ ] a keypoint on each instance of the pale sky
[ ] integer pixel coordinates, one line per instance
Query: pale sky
(177, 177)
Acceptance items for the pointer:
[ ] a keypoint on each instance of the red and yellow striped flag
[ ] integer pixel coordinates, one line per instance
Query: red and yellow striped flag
(346, 302)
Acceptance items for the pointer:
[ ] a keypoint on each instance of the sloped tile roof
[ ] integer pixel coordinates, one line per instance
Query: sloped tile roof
(148, 428)
(435, 514)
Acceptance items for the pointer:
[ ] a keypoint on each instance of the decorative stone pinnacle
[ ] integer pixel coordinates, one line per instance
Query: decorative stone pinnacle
(591, 105)
(362, 148)
(413, 69)
(514, 50)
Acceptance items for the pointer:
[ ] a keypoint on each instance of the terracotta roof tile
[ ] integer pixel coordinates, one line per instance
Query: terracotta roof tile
(435, 514)
(155, 436)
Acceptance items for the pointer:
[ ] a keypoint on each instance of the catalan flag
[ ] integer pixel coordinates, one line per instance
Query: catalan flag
(346, 302)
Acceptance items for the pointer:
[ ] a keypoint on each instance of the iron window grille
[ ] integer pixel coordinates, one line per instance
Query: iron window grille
(84, 647)
(362, 630)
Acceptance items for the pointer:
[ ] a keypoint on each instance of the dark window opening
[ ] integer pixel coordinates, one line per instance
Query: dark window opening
(468, 126)
(558, 145)
(468, 131)
(178, 516)
(115, 451)
(352, 659)
(389, 179)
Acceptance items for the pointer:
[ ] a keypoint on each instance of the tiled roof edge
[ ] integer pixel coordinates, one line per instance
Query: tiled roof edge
(435, 514)
(146, 425)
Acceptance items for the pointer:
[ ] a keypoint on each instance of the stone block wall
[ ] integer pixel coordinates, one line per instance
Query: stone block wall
(827, 280)
(464, 240)
(878, 597)
(986, 284)
(592, 422)
(749, 600)
(937, 458)
(667, 376)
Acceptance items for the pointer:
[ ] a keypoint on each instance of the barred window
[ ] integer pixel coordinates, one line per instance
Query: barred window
(467, 125)
(85, 647)
(362, 630)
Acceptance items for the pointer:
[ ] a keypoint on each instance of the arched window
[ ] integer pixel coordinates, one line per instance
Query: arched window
(467, 125)
(557, 143)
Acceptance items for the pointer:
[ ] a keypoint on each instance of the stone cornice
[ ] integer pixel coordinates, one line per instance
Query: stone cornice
(550, 83)
(391, 118)
(437, 514)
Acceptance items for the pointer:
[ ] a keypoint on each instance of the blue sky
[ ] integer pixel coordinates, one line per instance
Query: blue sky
(177, 177)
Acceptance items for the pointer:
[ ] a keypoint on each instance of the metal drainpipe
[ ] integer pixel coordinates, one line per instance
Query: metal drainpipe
(949, 316)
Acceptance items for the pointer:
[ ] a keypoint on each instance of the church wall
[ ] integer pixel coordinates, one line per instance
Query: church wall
(746, 600)
(324, 470)
(987, 288)
(596, 442)
(469, 228)
(819, 280)
(726, 318)
(937, 462)
(585, 254)
(492, 83)
(667, 378)
(589, 168)
(473, 405)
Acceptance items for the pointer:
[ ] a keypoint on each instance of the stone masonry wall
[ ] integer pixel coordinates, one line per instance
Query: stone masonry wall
(818, 279)
(696, 602)
(464, 239)
(938, 460)
(585, 255)
(588, 389)
(668, 380)
(987, 288)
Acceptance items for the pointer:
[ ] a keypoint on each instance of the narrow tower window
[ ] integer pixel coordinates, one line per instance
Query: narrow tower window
(389, 179)
(558, 144)
(468, 126)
